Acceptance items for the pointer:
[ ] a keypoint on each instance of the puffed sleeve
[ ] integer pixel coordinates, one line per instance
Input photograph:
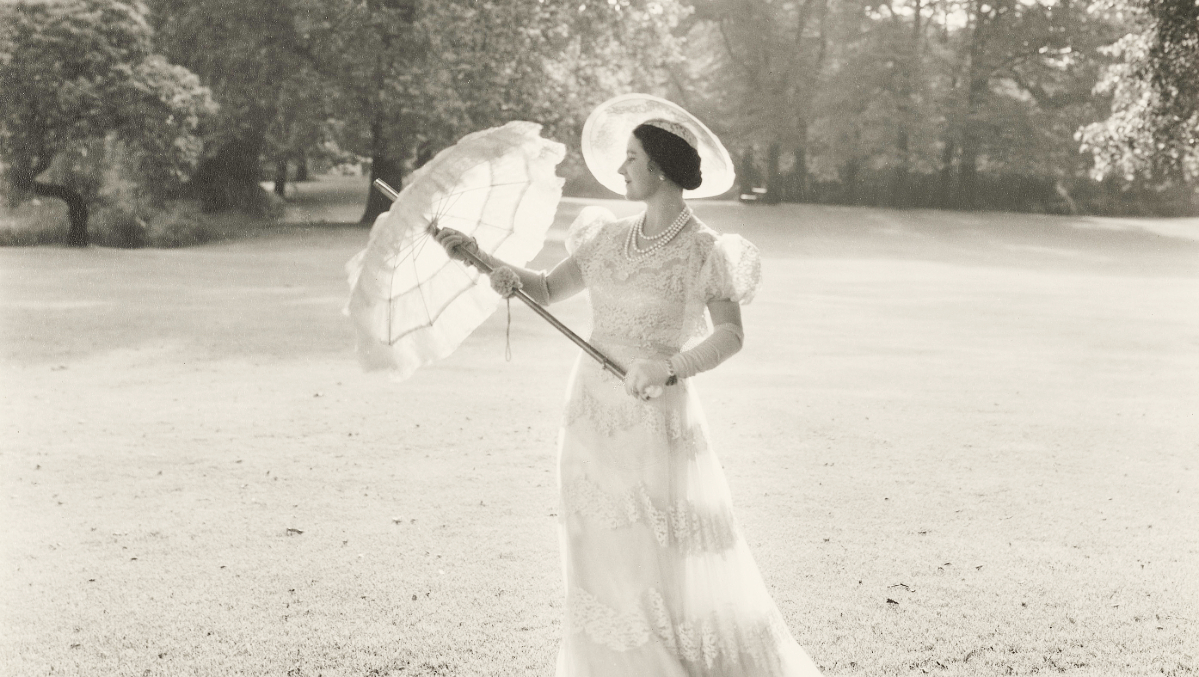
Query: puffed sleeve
(732, 271)
(585, 228)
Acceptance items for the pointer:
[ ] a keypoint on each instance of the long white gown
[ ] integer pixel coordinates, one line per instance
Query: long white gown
(659, 581)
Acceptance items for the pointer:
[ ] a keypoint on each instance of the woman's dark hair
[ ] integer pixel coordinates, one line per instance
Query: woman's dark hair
(677, 159)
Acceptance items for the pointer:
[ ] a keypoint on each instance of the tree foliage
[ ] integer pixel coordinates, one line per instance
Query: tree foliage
(76, 72)
(466, 65)
(1153, 129)
(246, 53)
(767, 69)
(397, 79)
(949, 103)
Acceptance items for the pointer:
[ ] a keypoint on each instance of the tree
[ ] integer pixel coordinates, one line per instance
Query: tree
(75, 72)
(770, 68)
(1153, 129)
(874, 121)
(246, 52)
(419, 74)
(377, 52)
(400, 78)
(967, 104)
(931, 102)
(1021, 74)
(301, 125)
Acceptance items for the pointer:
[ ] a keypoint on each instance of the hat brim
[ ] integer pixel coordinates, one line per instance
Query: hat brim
(606, 137)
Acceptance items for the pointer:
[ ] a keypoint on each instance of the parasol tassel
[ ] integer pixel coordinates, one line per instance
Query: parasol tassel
(505, 282)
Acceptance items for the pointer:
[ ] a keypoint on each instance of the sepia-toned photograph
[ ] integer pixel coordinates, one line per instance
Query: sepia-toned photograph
(599, 338)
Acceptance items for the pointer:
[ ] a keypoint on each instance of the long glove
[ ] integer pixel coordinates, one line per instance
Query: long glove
(724, 341)
(563, 281)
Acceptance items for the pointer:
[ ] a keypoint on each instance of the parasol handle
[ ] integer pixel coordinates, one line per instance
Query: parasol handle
(591, 350)
(477, 262)
(386, 189)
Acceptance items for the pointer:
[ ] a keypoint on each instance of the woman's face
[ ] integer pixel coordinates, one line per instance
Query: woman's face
(640, 178)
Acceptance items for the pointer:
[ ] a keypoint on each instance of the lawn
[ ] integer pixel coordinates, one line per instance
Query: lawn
(959, 444)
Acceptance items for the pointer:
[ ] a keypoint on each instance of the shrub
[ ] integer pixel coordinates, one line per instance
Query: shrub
(131, 225)
(118, 225)
(32, 223)
(1006, 192)
(182, 224)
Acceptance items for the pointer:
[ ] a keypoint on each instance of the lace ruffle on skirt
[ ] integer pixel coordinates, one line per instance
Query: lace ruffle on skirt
(659, 579)
(682, 526)
(716, 641)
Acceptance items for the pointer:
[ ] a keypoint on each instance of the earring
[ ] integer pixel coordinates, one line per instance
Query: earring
(661, 177)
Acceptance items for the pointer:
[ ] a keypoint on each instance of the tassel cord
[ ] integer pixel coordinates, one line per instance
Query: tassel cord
(508, 333)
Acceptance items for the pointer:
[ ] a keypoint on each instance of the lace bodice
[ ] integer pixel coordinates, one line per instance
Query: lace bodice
(659, 302)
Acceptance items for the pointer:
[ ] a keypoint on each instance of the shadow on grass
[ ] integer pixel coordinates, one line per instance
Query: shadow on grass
(211, 230)
(275, 290)
(32, 237)
(1022, 241)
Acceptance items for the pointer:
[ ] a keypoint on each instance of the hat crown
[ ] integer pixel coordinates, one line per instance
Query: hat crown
(675, 128)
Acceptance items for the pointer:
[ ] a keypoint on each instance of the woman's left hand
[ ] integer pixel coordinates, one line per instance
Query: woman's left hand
(642, 375)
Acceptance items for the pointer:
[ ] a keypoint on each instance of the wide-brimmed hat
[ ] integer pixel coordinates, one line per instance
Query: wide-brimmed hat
(606, 137)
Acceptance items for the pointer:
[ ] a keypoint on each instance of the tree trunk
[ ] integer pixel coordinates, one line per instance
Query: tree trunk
(971, 139)
(978, 88)
(850, 180)
(748, 176)
(774, 178)
(281, 177)
(386, 162)
(900, 193)
(76, 210)
(391, 172)
(799, 174)
(968, 174)
(301, 166)
(229, 179)
(385, 166)
(1064, 193)
(945, 177)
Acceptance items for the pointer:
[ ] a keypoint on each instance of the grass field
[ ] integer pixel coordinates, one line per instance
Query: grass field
(959, 444)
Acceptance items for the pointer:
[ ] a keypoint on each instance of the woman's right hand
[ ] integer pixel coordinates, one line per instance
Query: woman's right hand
(456, 243)
(645, 378)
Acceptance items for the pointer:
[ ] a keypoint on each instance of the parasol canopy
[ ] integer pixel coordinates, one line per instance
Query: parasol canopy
(409, 302)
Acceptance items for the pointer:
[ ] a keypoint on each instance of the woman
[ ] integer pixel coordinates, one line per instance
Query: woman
(659, 580)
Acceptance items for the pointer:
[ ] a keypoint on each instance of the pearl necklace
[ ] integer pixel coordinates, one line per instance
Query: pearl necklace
(658, 241)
